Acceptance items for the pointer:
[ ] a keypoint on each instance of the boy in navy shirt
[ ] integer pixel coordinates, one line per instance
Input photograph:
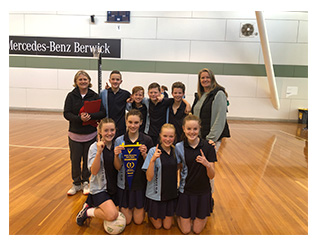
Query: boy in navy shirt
(158, 111)
(114, 99)
(178, 108)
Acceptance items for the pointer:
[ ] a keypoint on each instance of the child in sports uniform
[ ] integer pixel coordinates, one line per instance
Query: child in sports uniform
(114, 100)
(132, 200)
(102, 200)
(195, 201)
(157, 111)
(178, 108)
(137, 97)
(161, 171)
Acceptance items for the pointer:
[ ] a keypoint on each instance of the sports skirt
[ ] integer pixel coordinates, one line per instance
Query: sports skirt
(94, 200)
(194, 206)
(160, 209)
(131, 199)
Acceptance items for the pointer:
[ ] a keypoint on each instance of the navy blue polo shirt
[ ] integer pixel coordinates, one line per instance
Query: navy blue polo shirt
(117, 107)
(177, 119)
(143, 110)
(157, 114)
(110, 171)
(197, 180)
(163, 186)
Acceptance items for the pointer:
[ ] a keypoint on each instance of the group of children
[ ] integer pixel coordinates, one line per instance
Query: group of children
(171, 179)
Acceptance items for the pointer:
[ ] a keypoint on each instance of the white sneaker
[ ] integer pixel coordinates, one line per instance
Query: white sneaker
(74, 189)
(86, 189)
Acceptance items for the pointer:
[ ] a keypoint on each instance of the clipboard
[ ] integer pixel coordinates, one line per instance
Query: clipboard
(91, 107)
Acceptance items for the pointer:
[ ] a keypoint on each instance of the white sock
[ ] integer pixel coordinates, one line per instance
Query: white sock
(90, 212)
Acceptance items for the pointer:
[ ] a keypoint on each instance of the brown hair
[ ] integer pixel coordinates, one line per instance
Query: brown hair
(105, 120)
(81, 72)
(116, 72)
(134, 112)
(214, 83)
(136, 89)
(178, 85)
(189, 117)
(154, 85)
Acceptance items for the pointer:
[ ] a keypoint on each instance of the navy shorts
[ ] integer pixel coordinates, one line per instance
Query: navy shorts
(194, 206)
(95, 200)
(160, 209)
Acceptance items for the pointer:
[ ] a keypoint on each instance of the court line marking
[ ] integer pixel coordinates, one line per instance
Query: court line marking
(292, 135)
(40, 147)
(50, 213)
(303, 186)
(271, 130)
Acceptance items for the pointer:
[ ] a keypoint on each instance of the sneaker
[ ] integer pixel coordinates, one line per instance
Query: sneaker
(82, 215)
(74, 189)
(85, 187)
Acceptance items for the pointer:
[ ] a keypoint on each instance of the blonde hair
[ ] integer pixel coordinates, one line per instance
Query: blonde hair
(78, 74)
(168, 126)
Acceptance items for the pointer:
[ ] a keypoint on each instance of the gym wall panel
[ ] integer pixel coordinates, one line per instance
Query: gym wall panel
(257, 108)
(286, 15)
(17, 97)
(245, 86)
(16, 24)
(284, 31)
(138, 28)
(225, 14)
(57, 25)
(191, 29)
(172, 14)
(303, 32)
(300, 83)
(160, 50)
(33, 78)
(45, 98)
(288, 54)
(225, 52)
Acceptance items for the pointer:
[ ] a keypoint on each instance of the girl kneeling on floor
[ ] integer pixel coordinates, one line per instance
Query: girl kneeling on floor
(132, 199)
(195, 201)
(161, 170)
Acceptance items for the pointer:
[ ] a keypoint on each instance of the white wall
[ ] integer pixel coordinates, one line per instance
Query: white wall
(172, 36)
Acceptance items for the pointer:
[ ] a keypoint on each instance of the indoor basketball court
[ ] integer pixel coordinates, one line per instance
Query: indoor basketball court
(260, 62)
(261, 182)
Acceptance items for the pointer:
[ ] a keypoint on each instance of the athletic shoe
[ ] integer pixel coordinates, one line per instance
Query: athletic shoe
(74, 189)
(82, 215)
(85, 187)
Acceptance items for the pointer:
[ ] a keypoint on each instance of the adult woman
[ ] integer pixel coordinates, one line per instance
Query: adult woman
(210, 105)
(81, 135)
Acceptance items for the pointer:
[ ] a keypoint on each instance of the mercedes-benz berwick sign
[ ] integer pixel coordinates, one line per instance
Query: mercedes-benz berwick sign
(56, 46)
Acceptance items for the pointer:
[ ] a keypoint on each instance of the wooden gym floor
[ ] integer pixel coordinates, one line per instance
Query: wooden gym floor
(261, 183)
